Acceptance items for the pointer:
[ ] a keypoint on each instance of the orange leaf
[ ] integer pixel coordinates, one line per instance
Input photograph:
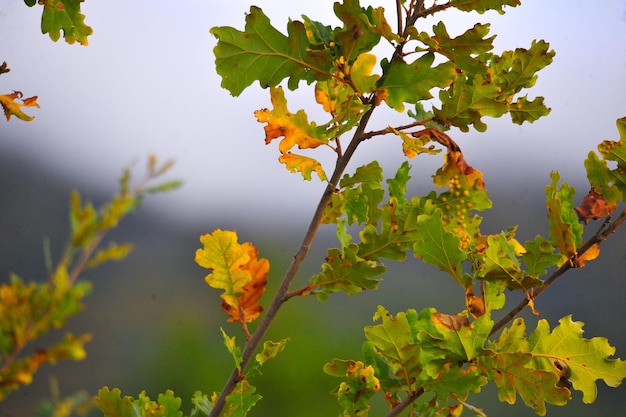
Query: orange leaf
(14, 108)
(294, 128)
(248, 307)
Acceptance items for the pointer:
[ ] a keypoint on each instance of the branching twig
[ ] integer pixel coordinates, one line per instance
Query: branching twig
(602, 234)
(282, 293)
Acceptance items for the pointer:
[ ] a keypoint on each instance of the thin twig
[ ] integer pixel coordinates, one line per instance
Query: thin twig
(395, 411)
(387, 131)
(602, 234)
(282, 292)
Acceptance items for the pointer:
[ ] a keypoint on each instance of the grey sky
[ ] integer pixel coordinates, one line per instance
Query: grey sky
(147, 84)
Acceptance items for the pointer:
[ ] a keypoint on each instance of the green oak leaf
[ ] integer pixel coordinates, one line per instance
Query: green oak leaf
(409, 83)
(240, 400)
(500, 263)
(232, 348)
(456, 380)
(344, 270)
(462, 50)
(437, 246)
(566, 232)
(515, 70)
(527, 111)
(610, 183)
(539, 256)
(270, 350)
(396, 344)
(393, 239)
(621, 128)
(64, 15)
(466, 102)
(262, 53)
(359, 386)
(481, 6)
(358, 34)
(112, 405)
(587, 359)
(397, 184)
(202, 405)
(514, 375)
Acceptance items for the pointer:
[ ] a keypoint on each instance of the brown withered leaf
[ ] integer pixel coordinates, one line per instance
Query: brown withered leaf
(593, 207)
(454, 323)
(475, 305)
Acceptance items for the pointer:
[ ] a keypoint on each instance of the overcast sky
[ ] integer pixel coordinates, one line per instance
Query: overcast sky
(146, 84)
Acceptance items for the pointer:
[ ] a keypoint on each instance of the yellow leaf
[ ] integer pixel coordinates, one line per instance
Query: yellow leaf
(303, 164)
(14, 108)
(590, 254)
(225, 257)
(237, 270)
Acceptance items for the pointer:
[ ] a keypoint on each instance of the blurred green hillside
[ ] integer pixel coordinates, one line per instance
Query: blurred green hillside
(156, 323)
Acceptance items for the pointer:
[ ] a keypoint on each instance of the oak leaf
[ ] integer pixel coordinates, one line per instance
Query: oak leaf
(263, 53)
(248, 303)
(12, 107)
(481, 6)
(565, 230)
(463, 49)
(295, 130)
(66, 16)
(237, 270)
(303, 164)
(409, 83)
(593, 207)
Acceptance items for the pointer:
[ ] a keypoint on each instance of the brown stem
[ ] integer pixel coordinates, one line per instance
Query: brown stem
(386, 131)
(395, 411)
(602, 234)
(282, 293)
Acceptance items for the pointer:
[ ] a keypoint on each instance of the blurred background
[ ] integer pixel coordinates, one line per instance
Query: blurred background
(146, 84)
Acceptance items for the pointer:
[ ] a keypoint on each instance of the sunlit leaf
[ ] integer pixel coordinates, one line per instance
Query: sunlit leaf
(588, 360)
(262, 53)
(226, 257)
(237, 270)
(409, 83)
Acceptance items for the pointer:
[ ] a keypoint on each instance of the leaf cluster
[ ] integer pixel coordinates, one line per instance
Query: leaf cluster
(428, 361)
(30, 310)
